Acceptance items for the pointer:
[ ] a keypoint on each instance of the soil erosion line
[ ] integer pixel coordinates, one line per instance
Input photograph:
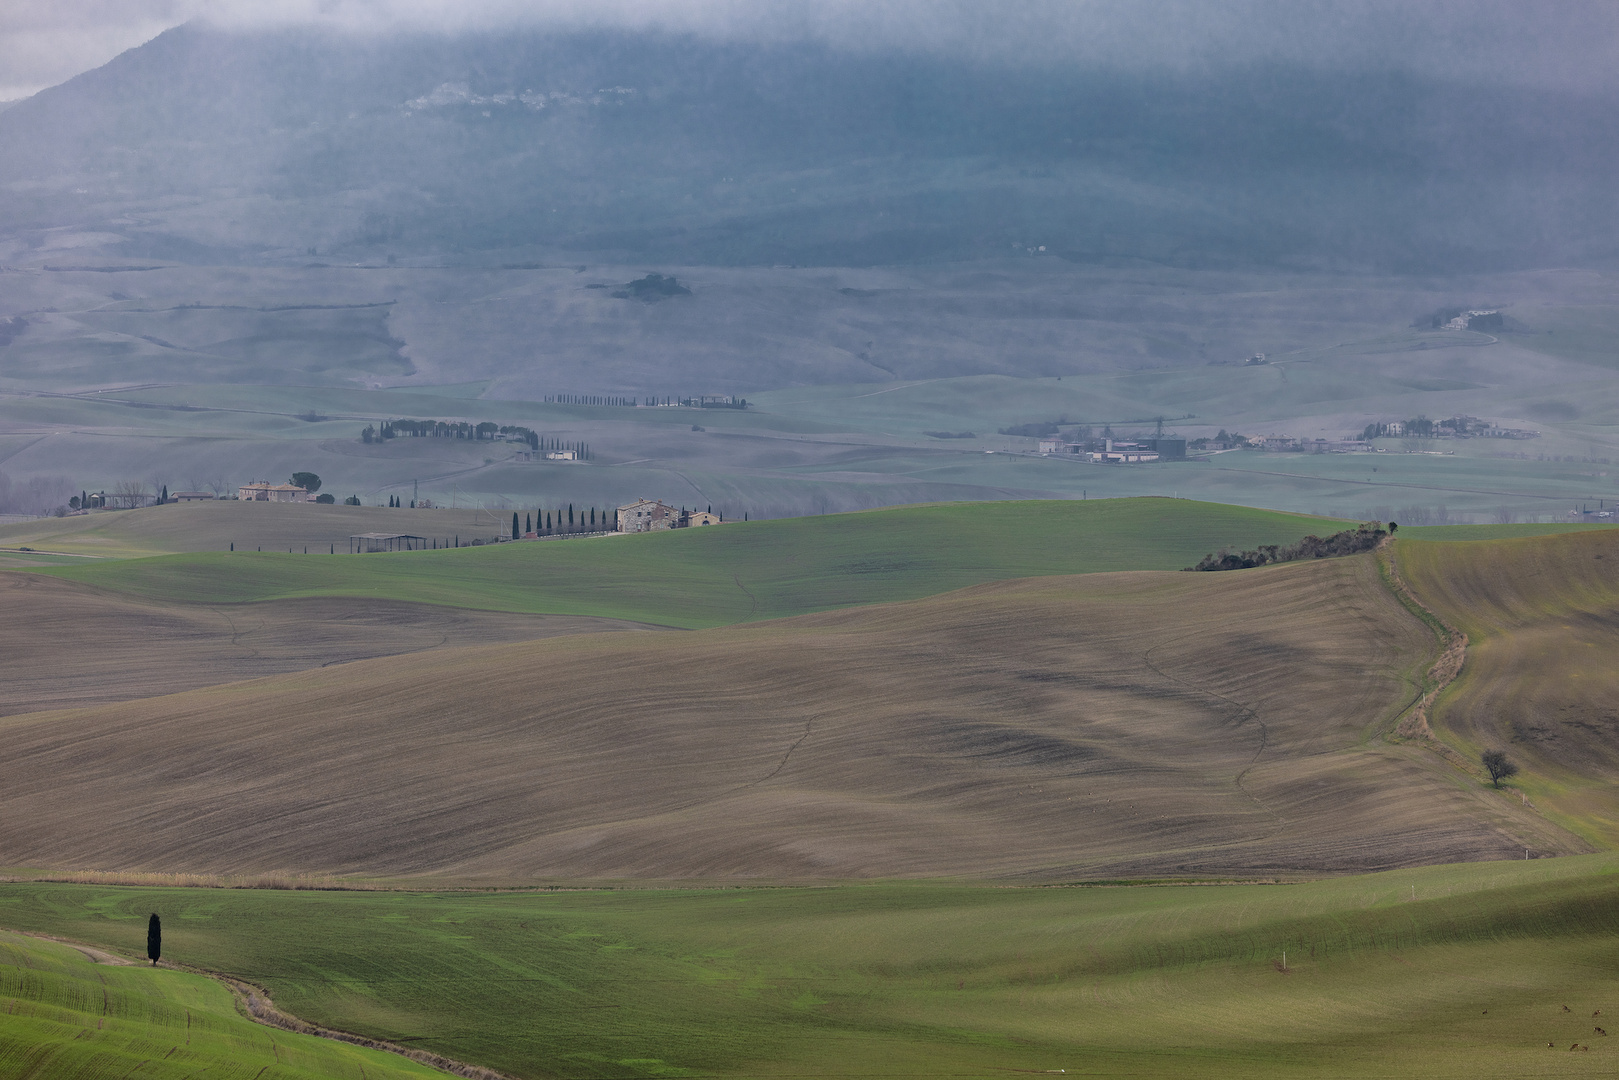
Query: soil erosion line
(1414, 725)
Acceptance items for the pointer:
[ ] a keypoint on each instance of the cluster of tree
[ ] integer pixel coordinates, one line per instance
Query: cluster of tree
(1036, 430)
(36, 495)
(544, 522)
(1223, 441)
(950, 434)
(1424, 428)
(652, 288)
(447, 429)
(1348, 542)
(704, 401)
(592, 399)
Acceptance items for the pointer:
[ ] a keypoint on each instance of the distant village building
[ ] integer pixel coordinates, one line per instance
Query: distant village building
(1124, 455)
(264, 491)
(1477, 319)
(650, 515)
(190, 496)
(647, 515)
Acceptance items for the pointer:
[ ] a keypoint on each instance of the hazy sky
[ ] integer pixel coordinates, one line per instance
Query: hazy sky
(1556, 42)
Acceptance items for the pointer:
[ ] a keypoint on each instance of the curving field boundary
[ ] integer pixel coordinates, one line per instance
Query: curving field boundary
(254, 1003)
(1453, 655)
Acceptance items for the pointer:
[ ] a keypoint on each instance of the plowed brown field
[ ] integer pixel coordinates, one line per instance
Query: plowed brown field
(1095, 726)
(1542, 674)
(65, 645)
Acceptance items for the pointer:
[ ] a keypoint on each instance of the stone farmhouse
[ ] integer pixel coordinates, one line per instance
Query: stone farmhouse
(652, 515)
(264, 491)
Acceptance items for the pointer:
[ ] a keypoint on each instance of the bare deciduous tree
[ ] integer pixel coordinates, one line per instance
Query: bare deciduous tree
(1497, 765)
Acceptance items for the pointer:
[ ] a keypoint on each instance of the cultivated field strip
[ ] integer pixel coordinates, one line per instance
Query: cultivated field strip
(1093, 726)
(65, 645)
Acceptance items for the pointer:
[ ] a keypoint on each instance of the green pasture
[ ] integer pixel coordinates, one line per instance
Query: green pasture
(66, 1016)
(1452, 971)
(737, 572)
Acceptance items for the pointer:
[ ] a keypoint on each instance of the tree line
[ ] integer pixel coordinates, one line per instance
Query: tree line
(701, 401)
(543, 522)
(1349, 542)
(448, 429)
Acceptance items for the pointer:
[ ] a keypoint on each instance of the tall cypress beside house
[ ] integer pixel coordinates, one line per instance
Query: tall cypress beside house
(154, 939)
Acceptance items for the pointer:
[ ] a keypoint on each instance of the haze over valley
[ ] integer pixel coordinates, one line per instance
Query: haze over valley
(669, 538)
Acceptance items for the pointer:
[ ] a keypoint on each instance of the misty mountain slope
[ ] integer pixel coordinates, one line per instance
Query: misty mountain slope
(207, 145)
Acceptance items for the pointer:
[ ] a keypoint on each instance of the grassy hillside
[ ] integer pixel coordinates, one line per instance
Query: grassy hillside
(1092, 726)
(1541, 681)
(739, 572)
(1452, 971)
(67, 1015)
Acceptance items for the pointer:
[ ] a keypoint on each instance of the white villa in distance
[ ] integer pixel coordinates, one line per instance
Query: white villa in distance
(264, 491)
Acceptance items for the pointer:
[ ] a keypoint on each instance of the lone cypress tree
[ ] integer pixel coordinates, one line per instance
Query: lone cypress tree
(154, 939)
(515, 533)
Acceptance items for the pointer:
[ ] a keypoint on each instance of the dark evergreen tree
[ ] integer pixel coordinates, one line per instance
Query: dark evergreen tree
(154, 939)
(163, 498)
(570, 515)
(515, 533)
(592, 517)
(528, 525)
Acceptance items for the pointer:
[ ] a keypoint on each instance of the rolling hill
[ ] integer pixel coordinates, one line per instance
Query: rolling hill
(689, 578)
(66, 645)
(1456, 972)
(88, 1013)
(1541, 681)
(1092, 726)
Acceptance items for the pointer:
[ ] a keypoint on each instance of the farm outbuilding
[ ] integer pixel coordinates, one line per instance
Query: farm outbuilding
(364, 543)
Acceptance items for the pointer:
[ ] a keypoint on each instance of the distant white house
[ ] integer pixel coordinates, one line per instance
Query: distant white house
(264, 491)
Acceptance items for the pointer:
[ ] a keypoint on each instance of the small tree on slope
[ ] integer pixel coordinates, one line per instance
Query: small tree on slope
(154, 939)
(1497, 765)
